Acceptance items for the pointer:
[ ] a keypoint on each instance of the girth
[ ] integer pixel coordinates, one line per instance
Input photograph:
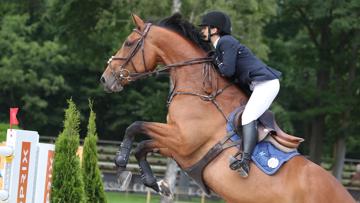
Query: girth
(196, 171)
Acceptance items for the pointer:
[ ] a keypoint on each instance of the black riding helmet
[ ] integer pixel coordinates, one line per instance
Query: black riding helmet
(217, 19)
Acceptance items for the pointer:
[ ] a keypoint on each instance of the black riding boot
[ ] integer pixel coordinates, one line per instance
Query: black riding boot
(249, 141)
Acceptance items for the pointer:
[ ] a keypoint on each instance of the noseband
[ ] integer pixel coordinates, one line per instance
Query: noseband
(125, 75)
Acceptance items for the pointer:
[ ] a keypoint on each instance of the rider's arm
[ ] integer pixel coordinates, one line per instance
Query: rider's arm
(228, 49)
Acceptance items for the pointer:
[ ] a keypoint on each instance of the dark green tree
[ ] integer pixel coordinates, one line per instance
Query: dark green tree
(30, 75)
(51, 50)
(67, 184)
(316, 44)
(94, 188)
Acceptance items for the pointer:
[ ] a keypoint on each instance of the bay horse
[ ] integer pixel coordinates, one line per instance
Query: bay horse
(200, 101)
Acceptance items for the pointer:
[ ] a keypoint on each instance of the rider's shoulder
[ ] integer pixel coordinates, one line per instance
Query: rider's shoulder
(228, 39)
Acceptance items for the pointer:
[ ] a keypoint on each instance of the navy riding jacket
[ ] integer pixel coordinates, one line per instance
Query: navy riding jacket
(236, 61)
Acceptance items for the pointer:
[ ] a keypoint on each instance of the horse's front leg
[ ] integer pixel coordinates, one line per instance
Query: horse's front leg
(164, 134)
(147, 175)
(122, 156)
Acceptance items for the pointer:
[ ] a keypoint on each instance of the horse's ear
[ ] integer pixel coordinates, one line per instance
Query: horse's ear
(138, 21)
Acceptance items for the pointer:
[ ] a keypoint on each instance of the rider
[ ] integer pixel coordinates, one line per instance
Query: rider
(236, 61)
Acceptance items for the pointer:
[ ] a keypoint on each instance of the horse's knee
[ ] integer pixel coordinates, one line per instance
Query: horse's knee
(140, 151)
(134, 127)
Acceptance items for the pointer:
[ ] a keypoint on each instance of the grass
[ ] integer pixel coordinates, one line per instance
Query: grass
(119, 197)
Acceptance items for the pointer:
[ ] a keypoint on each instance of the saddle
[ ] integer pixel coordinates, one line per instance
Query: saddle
(270, 131)
(267, 130)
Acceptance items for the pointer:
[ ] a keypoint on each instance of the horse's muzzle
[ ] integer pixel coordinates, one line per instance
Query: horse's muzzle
(110, 84)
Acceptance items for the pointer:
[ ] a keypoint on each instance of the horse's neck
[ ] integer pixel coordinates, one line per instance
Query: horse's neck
(176, 49)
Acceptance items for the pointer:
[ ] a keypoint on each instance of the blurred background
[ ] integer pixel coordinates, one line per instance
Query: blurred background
(53, 50)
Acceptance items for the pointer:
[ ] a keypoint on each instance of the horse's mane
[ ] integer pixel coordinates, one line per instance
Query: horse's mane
(186, 29)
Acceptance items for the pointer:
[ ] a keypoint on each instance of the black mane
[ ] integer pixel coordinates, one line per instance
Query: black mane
(186, 29)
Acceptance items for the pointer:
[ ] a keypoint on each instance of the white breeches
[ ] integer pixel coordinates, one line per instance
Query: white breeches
(260, 100)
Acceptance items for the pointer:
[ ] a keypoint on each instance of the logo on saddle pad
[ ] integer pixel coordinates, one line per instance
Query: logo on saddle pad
(273, 162)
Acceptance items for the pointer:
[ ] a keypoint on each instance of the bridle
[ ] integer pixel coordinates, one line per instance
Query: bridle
(125, 75)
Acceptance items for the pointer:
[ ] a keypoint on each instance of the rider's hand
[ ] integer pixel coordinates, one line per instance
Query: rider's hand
(216, 61)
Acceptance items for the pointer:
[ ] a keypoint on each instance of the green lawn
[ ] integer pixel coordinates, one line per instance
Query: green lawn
(117, 197)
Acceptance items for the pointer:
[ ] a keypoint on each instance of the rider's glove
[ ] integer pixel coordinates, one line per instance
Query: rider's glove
(214, 59)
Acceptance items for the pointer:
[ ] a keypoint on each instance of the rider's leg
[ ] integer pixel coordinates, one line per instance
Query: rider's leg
(249, 141)
(260, 100)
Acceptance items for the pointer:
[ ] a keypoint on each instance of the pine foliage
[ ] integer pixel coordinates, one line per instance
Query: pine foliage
(94, 188)
(67, 185)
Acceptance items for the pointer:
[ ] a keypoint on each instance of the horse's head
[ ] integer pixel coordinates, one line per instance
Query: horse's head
(136, 56)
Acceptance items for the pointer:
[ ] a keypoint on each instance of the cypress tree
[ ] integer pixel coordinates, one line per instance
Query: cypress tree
(67, 184)
(94, 188)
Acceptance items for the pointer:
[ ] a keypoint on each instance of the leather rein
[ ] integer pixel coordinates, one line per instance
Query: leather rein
(125, 75)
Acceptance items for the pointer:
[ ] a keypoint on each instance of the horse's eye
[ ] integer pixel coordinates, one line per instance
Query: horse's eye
(128, 43)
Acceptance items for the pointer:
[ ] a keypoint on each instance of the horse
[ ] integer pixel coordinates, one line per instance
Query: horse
(199, 103)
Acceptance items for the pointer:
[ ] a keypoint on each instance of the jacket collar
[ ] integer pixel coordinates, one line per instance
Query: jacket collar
(216, 42)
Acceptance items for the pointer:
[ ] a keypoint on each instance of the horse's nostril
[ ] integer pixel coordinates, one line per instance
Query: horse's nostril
(102, 80)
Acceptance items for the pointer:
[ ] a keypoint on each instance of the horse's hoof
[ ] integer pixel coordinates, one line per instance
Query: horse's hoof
(165, 189)
(124, 178)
